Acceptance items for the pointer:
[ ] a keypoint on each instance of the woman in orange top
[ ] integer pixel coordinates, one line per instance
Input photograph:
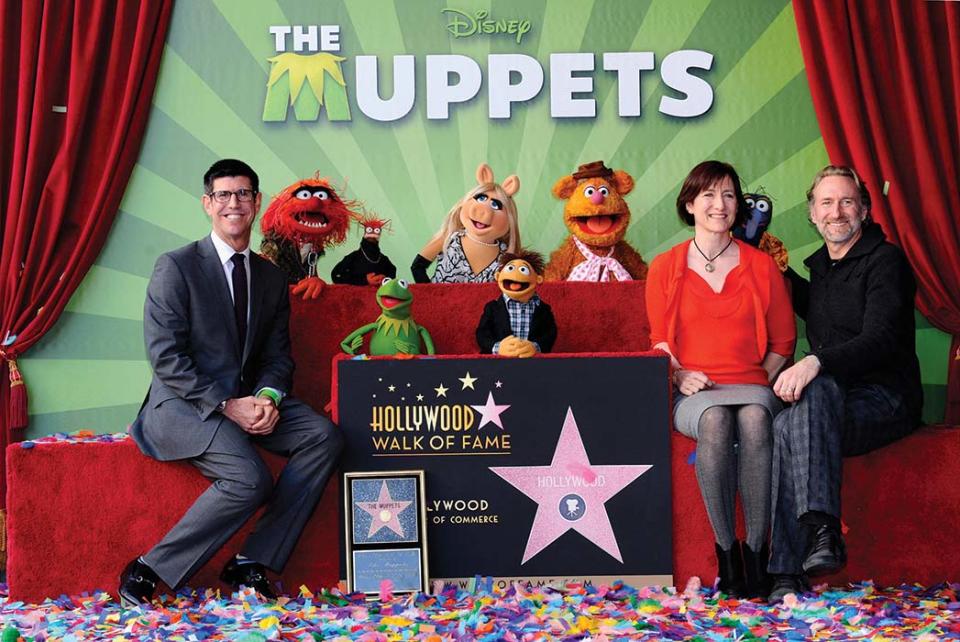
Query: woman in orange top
(720, 308)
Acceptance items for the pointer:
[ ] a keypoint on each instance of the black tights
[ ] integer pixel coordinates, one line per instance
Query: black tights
(719, 468)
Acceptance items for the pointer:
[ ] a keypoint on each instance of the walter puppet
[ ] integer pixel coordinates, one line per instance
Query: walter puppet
(597, 217)
(300, 223)
(394, 332)
(517, 323)
(367, 265)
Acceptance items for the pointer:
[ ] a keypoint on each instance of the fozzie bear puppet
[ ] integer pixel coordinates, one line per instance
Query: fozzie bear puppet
(597, 217)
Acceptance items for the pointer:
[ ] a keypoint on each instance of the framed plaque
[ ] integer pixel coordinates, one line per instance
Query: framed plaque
(385, 531)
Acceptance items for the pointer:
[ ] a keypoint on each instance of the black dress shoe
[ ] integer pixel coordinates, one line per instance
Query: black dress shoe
(827, 554)
(250, 574)
(784, 585)
(755, 565)
(730, 570)
(137, 584)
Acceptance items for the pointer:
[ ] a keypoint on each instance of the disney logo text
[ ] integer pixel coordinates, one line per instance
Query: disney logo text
(464, 25)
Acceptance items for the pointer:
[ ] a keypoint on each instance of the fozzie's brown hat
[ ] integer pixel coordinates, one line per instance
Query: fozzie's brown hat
(596, 169)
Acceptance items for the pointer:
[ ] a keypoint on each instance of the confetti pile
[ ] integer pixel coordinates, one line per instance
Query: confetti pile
(614, 612)
(76, 437)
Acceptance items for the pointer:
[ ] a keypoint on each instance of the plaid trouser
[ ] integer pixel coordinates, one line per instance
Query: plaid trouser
(811, 438)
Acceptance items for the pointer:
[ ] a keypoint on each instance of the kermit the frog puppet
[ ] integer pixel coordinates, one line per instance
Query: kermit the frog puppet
(394, 332)
(517, 323)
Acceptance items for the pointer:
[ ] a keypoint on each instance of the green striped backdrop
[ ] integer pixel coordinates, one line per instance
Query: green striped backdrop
(90, 371)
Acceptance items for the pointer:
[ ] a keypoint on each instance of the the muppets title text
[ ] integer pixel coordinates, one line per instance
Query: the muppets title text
(511, 79)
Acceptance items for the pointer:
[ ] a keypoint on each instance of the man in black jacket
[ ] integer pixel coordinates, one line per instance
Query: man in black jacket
(856, 390)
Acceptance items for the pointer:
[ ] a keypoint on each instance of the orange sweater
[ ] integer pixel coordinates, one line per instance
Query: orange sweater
(725, 334)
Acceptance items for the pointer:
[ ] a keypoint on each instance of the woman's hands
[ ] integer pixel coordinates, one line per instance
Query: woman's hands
(691, 381)
(687, 381)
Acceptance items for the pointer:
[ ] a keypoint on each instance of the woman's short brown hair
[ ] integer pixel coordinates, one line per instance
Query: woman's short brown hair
(702, 177)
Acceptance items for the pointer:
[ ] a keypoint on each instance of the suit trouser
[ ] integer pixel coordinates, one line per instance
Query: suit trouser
(810, 439)
(242, 483)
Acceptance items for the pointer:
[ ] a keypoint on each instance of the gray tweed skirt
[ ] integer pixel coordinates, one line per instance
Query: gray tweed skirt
(687, 410)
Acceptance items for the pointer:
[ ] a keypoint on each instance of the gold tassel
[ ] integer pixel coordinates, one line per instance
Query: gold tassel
(17, 410)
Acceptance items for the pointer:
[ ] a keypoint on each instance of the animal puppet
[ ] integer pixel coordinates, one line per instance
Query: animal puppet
(518, 278)
(366, 265)
(394, 332)
(476, 231)
(753, 229)
(300, 223)
(597, 217)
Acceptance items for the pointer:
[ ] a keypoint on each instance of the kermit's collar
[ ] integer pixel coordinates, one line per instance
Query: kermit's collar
(387, 325)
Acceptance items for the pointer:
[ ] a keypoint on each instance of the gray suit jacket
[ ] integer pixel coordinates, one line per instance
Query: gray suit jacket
(191, 340)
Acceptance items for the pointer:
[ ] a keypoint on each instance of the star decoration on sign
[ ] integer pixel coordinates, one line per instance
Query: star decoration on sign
(391, 388)
(568, 490)
(383, 512)
(468, 382)
(419, 397)
(490, 412)
(498, 384)
(441, 391)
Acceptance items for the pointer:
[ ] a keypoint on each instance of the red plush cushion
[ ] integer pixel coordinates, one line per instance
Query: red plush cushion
(590, 318)
(80, 511)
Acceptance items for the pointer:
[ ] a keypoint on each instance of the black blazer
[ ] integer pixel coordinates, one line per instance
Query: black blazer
(495, 326)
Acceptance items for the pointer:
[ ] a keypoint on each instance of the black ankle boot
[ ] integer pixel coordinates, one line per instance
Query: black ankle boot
(730, 570)
(755, 564)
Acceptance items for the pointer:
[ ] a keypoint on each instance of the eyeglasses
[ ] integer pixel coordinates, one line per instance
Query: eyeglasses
(223, 195)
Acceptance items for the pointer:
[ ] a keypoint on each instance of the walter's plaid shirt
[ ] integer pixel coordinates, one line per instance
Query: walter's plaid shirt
(521, 316)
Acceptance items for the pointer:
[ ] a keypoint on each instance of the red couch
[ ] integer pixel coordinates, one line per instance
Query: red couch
(79, 512)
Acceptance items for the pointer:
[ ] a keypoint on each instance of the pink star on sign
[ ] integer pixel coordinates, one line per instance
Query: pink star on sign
(570, 493)
(384, 511)
(490, 412)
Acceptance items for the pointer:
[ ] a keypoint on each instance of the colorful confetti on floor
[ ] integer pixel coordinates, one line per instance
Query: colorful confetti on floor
(616, 612)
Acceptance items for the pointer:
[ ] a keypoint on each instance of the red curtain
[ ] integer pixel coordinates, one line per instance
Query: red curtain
(76, 80)
(885, 81)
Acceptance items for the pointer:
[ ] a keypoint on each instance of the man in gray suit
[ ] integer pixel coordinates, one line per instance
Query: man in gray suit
(215, 323)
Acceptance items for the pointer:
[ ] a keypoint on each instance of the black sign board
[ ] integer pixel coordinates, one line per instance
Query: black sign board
(546, 469)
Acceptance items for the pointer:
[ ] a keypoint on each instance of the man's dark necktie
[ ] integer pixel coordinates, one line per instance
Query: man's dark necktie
(240, 297)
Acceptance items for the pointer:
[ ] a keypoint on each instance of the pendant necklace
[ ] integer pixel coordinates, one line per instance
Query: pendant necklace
(710, 267)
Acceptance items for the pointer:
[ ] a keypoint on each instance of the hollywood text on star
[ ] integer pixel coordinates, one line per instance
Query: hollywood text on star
(570, 481)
